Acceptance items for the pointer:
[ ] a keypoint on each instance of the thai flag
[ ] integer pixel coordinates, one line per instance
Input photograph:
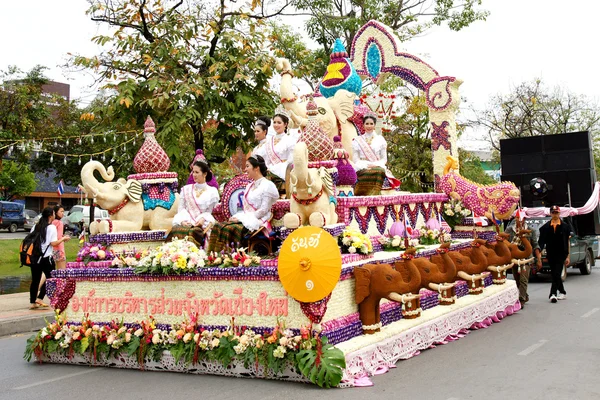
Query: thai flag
(61, 188)
(479, 220)
(520, 214)
(496, 221)
(443, 224)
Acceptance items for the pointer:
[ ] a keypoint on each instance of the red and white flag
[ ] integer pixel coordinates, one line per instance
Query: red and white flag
(479, 220)
(443, 224)
(520, 214)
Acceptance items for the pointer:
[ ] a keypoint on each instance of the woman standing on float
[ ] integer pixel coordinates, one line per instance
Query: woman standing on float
(196, 204)
(259, 197)
(278, 150)
(369, 156)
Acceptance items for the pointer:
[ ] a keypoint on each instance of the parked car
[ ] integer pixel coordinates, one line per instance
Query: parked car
(11, 216)
(31, 218)
(79, 216)
(584, 250)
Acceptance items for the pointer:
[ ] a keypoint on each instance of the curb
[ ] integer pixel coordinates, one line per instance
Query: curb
(24, 324)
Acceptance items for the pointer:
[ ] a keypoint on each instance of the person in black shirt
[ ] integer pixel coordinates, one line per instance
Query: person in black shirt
(554, 235)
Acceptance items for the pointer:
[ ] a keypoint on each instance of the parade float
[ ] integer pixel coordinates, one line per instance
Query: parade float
(354, 287)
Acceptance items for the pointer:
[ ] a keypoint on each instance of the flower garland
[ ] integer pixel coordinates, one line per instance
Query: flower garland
(175, 257)
(237, 258)
(353, 241)
(312, 355)
(454, 212)
(94, 252)
(395, 243)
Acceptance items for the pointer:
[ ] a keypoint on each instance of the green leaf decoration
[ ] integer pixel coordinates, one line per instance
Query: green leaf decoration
(329, 372)
(133, 345)
(31, 344)
(177, 351)
(84, 345)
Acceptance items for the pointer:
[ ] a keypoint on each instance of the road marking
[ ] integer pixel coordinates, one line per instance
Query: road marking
(587, 314)
(533, 347)
(58, 379)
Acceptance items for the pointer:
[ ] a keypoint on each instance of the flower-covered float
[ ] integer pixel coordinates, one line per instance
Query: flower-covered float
(336, 305)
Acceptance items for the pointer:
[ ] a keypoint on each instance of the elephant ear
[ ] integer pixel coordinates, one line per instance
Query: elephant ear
(343, 105)
(327, 180)
(362, 276)
(134, 190)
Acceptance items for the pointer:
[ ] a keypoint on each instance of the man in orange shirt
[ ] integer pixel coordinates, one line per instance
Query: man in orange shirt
(554, 235)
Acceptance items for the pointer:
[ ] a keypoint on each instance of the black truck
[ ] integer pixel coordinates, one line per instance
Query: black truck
(557, 169)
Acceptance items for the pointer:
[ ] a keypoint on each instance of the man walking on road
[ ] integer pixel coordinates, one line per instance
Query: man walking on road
(554, 235)
(521, 273)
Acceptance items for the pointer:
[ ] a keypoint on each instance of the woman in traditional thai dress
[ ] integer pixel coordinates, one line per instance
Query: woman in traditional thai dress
(278, 151)
(259, 197)
(261, 127)
(369, 159)
(196, 202)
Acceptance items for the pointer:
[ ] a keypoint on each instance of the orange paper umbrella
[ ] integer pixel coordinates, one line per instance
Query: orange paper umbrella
(310, 264)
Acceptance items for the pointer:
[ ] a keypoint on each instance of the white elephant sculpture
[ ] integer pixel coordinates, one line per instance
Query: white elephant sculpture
(123, 199)
(312, 193)
(337, 109)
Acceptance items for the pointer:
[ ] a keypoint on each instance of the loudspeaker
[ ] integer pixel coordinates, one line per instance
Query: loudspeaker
(564, 161)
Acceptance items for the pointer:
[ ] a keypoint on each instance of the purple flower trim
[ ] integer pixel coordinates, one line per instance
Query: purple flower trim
(334, 230)
(204, 274)
(91, 264)
(128, 237)
(153, 175)
(461, 288)
(378, 201)
(261, 330)
(486, 235)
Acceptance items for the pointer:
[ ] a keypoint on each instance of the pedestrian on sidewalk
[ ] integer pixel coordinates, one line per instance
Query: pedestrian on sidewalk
(58, 252)
(554, 235)
(521, 273)
(43, 266)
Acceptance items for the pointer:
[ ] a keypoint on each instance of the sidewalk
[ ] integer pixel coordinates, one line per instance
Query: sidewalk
(16, 317)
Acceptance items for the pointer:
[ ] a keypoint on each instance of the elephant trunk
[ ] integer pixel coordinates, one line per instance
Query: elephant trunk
(87, 175)
(286, 90)
(300, 170)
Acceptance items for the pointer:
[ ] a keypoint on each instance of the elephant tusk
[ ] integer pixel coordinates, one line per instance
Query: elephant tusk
(499, 268)
(438, 287)
(522, 261)
(463, 275)
(395, 297)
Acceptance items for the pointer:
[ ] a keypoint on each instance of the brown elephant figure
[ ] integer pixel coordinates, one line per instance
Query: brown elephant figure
(515, 250)
(377, 281)
(435, 270)
(499, 257)
(473, 269)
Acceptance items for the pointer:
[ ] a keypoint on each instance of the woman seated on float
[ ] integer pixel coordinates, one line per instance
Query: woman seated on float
(196, 202)
(259, 197)
(369, 159)
(277, 149)
(261, 128)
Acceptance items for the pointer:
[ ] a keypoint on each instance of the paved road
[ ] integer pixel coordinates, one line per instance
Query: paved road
(6, 235)
(546, 351)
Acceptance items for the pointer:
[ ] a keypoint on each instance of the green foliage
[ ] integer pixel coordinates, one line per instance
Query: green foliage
(409, 147)
(324, 367)
(470, 168)
(190, 66)
(25, 113)
(312, 356)
(408, 18)
(16, 179)
(532, 109)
